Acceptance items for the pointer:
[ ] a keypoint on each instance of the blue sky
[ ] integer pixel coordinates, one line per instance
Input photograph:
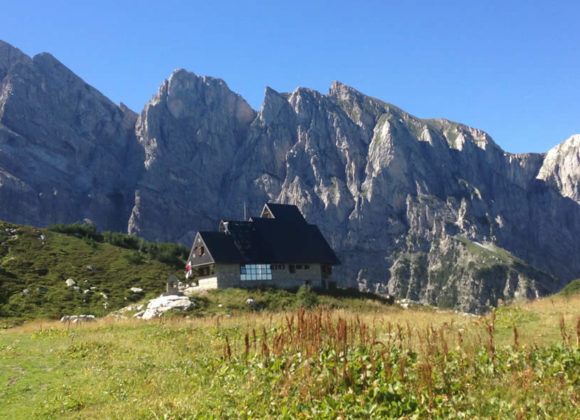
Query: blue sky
(510, 68)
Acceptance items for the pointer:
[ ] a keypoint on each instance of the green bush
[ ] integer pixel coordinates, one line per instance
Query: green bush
(167, 253)
(306, 298)
(78, 230)
(571, 289)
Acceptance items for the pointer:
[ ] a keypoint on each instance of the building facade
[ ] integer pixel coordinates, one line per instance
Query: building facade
(278, 249)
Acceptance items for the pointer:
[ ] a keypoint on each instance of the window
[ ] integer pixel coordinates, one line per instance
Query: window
(278, 266)
(255, 272)
(292, 268)
(200, 250)
(206, 270)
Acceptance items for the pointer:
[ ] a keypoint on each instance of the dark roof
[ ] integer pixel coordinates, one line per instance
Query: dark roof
(284, 212)
(288, 242)
(284, 239)
(221, 247)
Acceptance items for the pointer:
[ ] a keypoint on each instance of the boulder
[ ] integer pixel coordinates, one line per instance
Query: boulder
(158, 306)
(78, 318)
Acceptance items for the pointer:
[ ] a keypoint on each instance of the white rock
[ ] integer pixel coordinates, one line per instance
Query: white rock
(136, 289)
(156, 307)
(78, 318)
(70, 282)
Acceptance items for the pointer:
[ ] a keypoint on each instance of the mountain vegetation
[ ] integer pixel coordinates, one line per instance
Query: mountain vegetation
(72, 269)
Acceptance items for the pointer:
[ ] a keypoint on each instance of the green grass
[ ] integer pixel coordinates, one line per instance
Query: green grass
(573, 288)
(489, 252)
(352, 356)
(34, 268)
(232, 301)
(299, 364)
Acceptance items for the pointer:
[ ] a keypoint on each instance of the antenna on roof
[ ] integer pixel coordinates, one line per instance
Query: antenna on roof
(244, 211)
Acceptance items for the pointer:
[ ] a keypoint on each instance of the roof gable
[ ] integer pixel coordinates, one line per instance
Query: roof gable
(282, 235)
(218, 247)
(282, 212)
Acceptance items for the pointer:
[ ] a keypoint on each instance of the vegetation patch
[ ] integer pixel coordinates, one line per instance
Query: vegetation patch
(571, 289)
(318, 363)
(72, 269)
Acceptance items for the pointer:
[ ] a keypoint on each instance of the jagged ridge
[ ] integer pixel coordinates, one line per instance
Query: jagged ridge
(401, 198)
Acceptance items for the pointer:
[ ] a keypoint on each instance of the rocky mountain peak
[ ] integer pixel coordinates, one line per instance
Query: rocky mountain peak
(275, 107)
(184, 92)
(10, 56)
(341, 91)
(561, 168)
(65, 143)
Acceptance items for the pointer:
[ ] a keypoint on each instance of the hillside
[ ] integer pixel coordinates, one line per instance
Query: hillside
(35, 265)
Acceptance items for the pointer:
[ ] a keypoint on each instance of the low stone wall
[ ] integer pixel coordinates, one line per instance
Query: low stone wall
(207, 283)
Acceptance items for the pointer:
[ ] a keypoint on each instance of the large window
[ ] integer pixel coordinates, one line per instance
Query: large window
(255, 272)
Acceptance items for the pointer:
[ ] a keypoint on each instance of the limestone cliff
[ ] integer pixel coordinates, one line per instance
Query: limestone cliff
(561, 168)
(431, 210)
(62, 146)
(190, 132)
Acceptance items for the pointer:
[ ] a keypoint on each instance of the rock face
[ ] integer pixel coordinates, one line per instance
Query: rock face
(561, 168)
(190, 132)
(62, 146)
(429, 210)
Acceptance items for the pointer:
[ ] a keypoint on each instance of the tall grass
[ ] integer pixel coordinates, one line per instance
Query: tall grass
(521, 362)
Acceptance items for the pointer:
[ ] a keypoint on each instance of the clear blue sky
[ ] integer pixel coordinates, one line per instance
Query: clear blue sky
(510, 68)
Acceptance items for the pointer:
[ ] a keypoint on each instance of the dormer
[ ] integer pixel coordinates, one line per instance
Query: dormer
(282, 213)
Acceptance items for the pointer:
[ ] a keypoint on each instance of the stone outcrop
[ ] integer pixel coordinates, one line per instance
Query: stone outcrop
(561, 168)
(63, 146)
(429, 210)
(157, 307)
(190, 133)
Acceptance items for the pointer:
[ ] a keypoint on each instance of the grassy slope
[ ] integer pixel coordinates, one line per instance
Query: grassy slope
(386, 362)
(43, 266)
(571, 288)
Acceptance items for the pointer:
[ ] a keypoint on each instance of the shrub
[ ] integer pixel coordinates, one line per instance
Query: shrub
(77, 229)
(306, 298)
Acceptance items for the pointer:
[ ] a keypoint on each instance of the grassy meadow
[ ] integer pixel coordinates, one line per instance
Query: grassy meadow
(343, 358)
(35, 264)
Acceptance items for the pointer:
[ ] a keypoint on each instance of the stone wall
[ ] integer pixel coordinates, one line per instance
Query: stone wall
(228, 275)
(207, 283)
